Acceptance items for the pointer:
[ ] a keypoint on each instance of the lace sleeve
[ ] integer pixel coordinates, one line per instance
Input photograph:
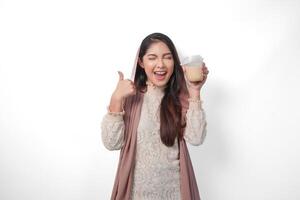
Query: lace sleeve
(112, 130)
(195, 130)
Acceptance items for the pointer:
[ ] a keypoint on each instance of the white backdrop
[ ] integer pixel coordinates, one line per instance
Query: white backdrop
(58, 68)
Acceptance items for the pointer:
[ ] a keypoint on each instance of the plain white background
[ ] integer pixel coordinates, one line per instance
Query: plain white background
(58, 68)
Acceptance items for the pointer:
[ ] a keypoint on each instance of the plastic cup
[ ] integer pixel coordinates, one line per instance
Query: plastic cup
(193, 68)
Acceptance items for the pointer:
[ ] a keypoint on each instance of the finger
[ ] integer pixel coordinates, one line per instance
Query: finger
(121, 75)
(133, 90)
(130, 81)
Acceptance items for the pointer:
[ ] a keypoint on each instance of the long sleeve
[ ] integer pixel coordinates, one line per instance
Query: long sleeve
(112, 130)
(195, 131)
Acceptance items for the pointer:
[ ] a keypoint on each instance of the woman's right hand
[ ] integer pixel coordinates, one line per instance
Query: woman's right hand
(124, 88)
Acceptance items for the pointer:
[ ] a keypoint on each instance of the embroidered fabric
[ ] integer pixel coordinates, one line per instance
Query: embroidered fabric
(156, 174)
(115, 113)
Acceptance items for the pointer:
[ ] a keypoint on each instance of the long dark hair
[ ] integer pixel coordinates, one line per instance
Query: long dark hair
(170, 110)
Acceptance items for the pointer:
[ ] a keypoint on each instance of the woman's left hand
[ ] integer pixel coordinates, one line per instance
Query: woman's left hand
(197, 85)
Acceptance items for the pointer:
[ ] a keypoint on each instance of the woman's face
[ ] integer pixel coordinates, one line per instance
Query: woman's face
(158, 63)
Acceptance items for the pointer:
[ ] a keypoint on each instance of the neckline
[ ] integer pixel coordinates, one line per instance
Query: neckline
(150, 85)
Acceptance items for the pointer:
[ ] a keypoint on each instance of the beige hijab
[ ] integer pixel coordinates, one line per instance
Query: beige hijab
(124, 177)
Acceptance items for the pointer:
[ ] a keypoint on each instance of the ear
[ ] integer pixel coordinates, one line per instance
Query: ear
(141, 63)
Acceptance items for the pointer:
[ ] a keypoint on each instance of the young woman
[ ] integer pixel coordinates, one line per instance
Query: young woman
(150, 119)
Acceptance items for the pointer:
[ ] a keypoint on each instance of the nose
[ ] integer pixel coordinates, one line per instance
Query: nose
(160, 63)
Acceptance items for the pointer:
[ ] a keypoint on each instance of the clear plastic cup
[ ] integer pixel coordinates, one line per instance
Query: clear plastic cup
(193, 67)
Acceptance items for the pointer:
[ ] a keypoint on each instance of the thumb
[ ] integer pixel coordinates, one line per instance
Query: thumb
(121, 75)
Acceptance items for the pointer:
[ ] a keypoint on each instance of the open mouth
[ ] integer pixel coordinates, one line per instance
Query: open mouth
(160, 75)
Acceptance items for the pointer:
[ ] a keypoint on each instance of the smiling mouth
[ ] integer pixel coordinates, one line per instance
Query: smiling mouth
(160, 75)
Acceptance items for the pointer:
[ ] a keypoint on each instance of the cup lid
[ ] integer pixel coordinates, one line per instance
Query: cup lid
(196, 59)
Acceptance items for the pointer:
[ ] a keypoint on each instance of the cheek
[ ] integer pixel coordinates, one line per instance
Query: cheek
(171, 68)
(170, 64)
(148, 70)
(148, 66)
(148, 63)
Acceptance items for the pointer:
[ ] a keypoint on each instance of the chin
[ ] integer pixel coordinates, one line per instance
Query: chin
(161, 83)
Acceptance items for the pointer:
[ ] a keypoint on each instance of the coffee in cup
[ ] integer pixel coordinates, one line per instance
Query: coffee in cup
(193, 68)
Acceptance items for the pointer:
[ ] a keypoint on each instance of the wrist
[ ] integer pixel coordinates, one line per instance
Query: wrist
(194, 93)
(116, 97)
(116, 103)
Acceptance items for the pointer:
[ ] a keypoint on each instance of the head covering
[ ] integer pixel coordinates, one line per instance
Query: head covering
(124, 177)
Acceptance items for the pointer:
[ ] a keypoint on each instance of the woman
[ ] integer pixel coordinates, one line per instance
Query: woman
(149, 120)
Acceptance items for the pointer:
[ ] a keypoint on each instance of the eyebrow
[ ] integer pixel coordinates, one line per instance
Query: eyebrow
(163, 54)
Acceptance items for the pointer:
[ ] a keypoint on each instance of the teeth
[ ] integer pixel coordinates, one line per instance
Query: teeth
(160, 73)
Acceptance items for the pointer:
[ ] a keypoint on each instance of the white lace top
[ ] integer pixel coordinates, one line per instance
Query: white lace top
(156, 174)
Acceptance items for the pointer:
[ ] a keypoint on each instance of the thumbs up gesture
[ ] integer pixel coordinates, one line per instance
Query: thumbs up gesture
(124, 88)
